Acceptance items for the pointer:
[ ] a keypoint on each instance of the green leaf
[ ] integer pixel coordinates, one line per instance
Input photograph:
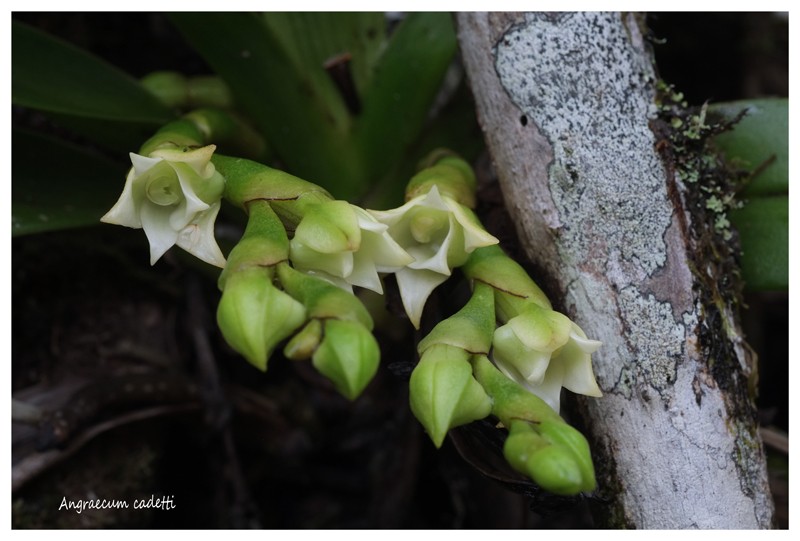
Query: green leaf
(56, 185)
(312, 39)
(298, 109)
(114, 135)
(53, 76)
(406, 81)
(454, 128)
(443, 394)
(762, 134)
(763, 226)
(274, 66)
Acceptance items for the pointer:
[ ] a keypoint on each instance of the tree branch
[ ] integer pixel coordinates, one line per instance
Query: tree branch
(566, 103)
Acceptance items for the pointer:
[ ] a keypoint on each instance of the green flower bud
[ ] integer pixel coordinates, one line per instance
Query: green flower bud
(176, 91)
(555, 471)
(264, 243)
(168, 86)
(470, 329)
(453, 177)
(443, 393)
(521, 443)
(569, 439)
(348, 356)
(254, 315)
(553, 454)
(540, 444)
(303, 345)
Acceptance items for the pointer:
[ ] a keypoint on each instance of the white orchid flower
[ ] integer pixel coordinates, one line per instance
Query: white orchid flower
(544, 351)
(439, 233)
(175, 197)
(345, 245)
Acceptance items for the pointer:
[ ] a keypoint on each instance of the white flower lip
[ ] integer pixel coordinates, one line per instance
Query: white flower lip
(439, 233)
(175, 197)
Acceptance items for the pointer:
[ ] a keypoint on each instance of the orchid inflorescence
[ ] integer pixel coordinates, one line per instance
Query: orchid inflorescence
(290, 280)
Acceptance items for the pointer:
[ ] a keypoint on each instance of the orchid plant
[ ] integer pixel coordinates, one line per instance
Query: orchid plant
(293, 281)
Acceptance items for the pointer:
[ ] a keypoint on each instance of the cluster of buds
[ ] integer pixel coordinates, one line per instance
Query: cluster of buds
(537, 347)
(456, 383)
(291, 277)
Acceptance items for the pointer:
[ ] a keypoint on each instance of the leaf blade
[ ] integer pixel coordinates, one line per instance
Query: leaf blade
(762, 134)
(70, 188)
(51, 75)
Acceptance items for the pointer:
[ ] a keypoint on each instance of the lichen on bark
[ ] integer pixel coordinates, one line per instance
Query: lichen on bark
(568, 104)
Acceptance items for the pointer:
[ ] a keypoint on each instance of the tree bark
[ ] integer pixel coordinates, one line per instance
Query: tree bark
(565, 102)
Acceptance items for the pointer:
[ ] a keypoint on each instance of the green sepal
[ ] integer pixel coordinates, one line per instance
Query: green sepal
(528, 341)
(208, 189)
(329, 228)
(348, 356)
(521, 443)
(178, 134)
(470, 328)
(254, 316)
(322, 299)
(303, 344)
(443, 393)
(452, 175)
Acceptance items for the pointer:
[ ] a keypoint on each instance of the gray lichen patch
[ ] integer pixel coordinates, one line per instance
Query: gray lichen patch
(591, 94)
(577, 77)
(657, 340)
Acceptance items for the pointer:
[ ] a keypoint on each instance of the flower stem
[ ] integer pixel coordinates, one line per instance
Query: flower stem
(251, 181)
(510, 401)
